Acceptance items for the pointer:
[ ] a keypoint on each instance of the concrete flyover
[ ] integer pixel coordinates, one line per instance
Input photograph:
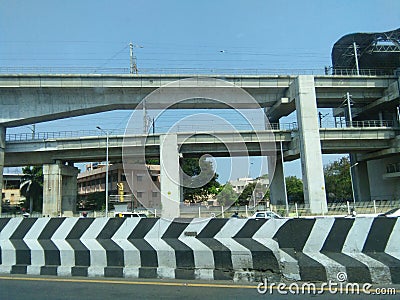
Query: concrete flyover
(27, 99)
(92, 148)
(68, 95)
(52, 152)
(363, 250)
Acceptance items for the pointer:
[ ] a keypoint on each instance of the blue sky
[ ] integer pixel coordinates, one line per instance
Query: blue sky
(180, 34)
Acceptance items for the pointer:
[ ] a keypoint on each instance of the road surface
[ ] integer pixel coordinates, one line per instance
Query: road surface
(29, 287)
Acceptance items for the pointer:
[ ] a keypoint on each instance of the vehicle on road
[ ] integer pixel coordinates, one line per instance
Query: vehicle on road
(265, 215)
(127, 214)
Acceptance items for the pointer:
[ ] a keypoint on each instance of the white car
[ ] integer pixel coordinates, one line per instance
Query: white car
(265, 215)
(129, 215)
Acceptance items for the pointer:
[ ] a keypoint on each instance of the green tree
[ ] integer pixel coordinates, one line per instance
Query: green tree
(199, 170)
(337, 180)
(294, 189)
(227, 195)
(247, 193)
(32, 188)
(92, 201)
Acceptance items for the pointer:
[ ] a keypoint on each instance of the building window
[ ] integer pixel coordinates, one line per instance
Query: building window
(139, 194)
(139, 178)
(154, 194)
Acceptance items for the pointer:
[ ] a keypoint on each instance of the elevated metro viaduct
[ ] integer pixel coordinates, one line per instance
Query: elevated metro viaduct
(27, 99)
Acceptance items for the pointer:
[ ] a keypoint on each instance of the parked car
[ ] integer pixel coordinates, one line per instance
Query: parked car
(127, 214)
(265, 215)
(393, 213)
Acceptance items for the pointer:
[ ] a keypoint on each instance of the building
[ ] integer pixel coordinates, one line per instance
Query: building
(262, 185)
(10, 192)
(240, 184)
(145, 180)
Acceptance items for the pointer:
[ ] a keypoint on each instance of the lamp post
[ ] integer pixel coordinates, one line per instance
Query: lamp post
(349, 109)
(352, 184)
(106, 132)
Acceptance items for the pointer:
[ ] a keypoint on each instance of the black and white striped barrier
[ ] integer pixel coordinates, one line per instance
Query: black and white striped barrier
(366, 249)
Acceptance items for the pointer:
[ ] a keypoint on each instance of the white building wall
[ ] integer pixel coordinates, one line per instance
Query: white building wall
(383, 185)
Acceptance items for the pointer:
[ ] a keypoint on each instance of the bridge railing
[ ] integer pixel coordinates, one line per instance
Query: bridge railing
(362, 72)
(196, 129)
(58, 134)
(159, 129)
(366, 124)
(190, 71)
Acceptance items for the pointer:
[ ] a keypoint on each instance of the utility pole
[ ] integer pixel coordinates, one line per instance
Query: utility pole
(356, 57)
(349, 109)
(33, 131)
(133, 64)
(398, 114)
(321, 117)
(107, 163)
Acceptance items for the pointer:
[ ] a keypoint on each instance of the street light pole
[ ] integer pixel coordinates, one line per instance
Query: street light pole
(284, 182)
(356, 57)
(352, 184)
(106, 132)
(349, 109)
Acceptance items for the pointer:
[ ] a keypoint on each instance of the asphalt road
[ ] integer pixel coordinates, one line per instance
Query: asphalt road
(31, 288)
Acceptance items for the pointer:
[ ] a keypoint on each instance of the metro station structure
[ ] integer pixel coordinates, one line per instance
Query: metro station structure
(362, 86)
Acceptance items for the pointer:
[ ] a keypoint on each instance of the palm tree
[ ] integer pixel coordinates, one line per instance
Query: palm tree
(32, 187)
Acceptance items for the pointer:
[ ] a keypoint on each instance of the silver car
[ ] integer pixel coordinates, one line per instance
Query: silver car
(265, 215)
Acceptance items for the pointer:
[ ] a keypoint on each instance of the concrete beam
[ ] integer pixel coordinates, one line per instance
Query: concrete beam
(310, 146)
(81, 149)
(390, 94)
(61, 96)
(170, 177)
(359, 169)
(283, 107)
(59, 189)
(394, 149)
(277, 186)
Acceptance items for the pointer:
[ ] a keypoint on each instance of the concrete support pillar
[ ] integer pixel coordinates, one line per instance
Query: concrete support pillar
(310, 146)
(277, 185)
(359, 171)
(170, 177)
(59, 189)
(2, 148)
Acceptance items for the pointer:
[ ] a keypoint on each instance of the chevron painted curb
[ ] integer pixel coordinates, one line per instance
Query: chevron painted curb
(367, 249)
